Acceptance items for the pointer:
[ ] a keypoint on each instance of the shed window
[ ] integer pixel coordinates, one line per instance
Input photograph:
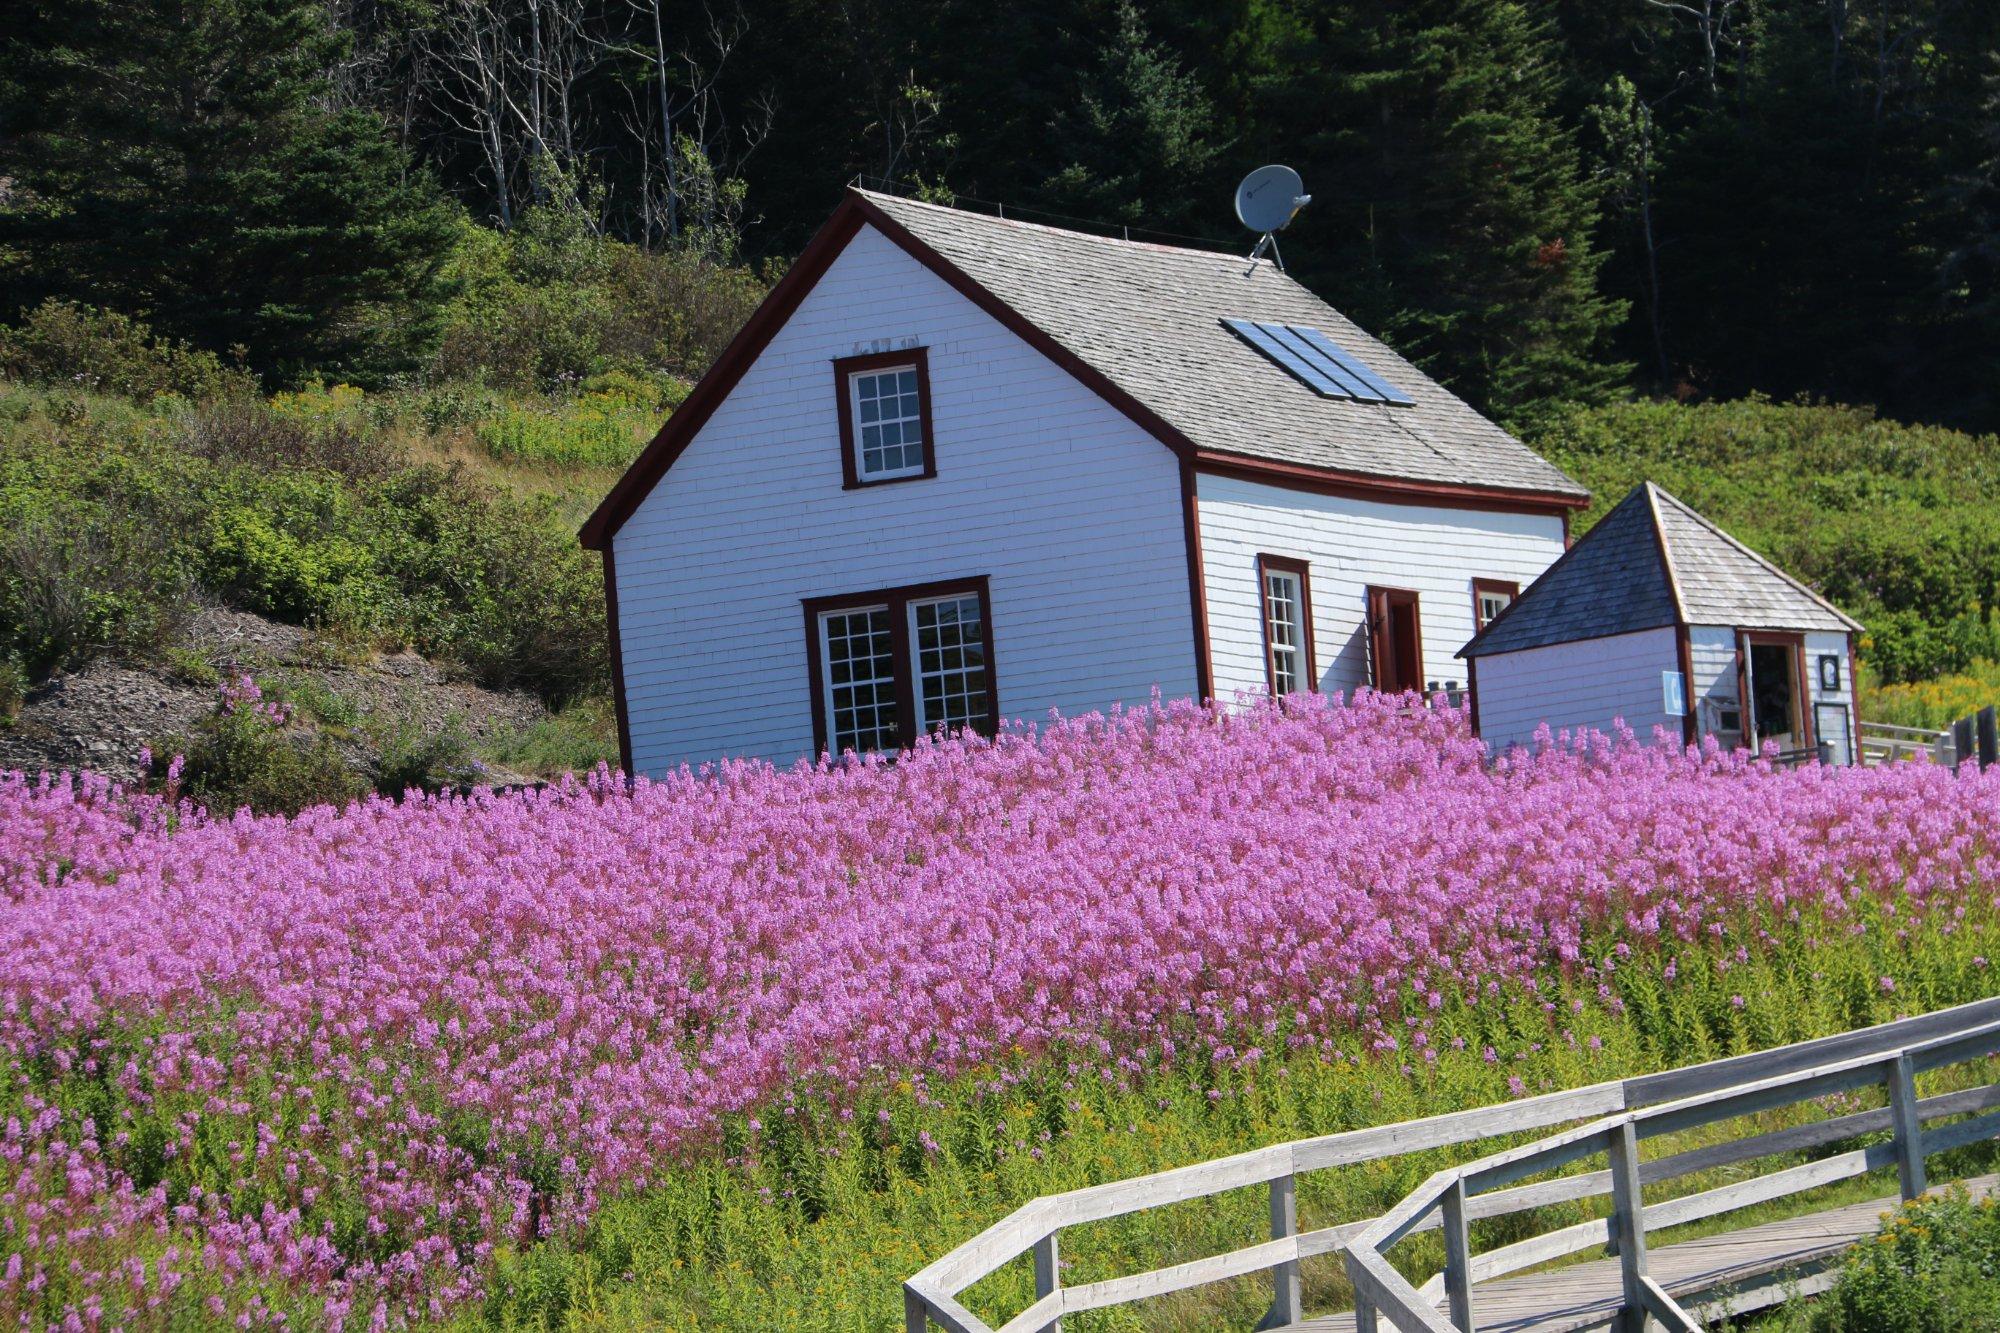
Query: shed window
(1285, 592)
(890, 666)
(885, 418)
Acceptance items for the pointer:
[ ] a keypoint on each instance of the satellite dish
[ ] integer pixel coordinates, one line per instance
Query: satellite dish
(1268, 197)
(1267, 201)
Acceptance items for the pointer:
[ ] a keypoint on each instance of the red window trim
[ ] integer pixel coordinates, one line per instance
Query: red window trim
(1287, 565)
(1508, 586)
(898, 601)
(846, 366)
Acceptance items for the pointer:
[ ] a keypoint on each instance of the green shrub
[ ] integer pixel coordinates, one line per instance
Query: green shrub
(74, 585)
(293, 546)
(249, 752)
(409, 757)
(551, 303)
(62, 342)
(1934, 1267)
(13, 689)
(1932, 703)
(575, 739)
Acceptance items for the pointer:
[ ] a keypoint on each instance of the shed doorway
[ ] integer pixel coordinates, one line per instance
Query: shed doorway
(1395, 640)
(1775, 696)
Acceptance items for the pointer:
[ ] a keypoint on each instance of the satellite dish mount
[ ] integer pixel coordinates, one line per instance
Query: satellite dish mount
(1267, 201)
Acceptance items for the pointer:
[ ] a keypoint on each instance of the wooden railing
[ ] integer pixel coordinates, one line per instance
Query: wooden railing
(1882, 743)
(1449, 1195)
(1763, 1080)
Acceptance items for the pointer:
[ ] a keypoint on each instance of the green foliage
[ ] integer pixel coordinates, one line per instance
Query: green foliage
(575, 739)
(552, 303)
(1934, 704)
(13, 689)
(1933, 1268)
(1138, 140)
(62, 342)
(187, 163)
(605, 426)
(249, 752)
(110, 523)
(1454, 217)
(1899, 525)
(408, 756)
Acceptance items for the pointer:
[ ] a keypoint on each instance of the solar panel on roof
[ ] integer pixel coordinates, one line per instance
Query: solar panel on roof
(1314, 355)
(1317, 362)
(1352, 365)
(1261, 338)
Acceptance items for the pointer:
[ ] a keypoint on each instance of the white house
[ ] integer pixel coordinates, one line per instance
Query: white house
(957, 468)
(1656, 607)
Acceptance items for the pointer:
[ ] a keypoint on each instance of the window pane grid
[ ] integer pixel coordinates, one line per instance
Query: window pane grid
(1284, 629)
(861, 679)
(888, 415)
(949, 644)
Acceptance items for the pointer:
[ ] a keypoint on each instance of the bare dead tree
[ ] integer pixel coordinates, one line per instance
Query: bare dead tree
(470, 51)
(1713, 21)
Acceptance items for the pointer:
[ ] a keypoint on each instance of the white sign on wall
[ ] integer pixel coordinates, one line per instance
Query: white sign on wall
(1673, 693)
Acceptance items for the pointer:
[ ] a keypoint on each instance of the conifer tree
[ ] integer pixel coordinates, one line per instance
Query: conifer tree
(1451, 211)
(182, 162)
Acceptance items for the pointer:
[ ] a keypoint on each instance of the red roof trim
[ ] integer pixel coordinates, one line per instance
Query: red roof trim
(729, 368)
(819, 254)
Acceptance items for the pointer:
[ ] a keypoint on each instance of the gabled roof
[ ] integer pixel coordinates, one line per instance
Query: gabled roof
(1653, 561)
(1150, 318)
(1141, 326)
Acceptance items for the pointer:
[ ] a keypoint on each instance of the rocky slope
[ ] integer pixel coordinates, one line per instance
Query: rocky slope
(102, 714)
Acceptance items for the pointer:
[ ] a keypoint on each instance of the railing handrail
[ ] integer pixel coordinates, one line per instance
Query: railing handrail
(930, 1296)
(1449, 1190)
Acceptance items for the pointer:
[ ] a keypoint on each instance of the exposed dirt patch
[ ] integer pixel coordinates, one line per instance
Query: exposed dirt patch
(101, 715)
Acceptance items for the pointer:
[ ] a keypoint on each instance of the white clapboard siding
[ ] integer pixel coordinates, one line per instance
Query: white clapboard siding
(1712, 654)
(1585, 683)
(1828, 644)
(1071, 510)
(1350, 544)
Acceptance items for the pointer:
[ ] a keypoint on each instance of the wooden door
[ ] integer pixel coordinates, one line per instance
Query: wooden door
(1395, 640)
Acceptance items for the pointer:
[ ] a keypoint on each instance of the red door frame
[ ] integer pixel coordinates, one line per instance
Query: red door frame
(1802, 719)
(1383, 663)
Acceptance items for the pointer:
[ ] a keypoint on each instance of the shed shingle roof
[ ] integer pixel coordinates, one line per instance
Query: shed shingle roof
(1653, 561)
(1149, 318)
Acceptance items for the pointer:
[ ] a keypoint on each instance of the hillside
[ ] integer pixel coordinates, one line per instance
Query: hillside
(1897, 524)
(406, 567)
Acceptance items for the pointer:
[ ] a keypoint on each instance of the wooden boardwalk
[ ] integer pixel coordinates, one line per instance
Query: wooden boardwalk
(1730, 1273)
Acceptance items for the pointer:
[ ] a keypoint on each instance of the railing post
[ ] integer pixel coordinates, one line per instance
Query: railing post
(1628, 1226)
(1909, 1128)
(1285, 1276)
(1364, 1315)
(1047, 1276)
(1458, 1256)
(916, 1315)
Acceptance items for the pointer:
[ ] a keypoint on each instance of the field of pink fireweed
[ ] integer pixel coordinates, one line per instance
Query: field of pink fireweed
(340, 1059)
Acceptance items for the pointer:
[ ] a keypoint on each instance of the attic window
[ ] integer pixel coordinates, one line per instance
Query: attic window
(885, 417)
(1317, 362)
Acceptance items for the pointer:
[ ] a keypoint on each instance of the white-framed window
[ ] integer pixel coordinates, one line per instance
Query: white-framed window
(858, 660)
(1287, 626)
(1489, 598)
(948, 640)
(888, 423)
(891, 666)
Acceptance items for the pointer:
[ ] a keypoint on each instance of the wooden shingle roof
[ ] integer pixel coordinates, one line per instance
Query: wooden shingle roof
(1149, 318)
(1653, 561)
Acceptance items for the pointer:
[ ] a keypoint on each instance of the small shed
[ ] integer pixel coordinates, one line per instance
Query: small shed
(1659, 618)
